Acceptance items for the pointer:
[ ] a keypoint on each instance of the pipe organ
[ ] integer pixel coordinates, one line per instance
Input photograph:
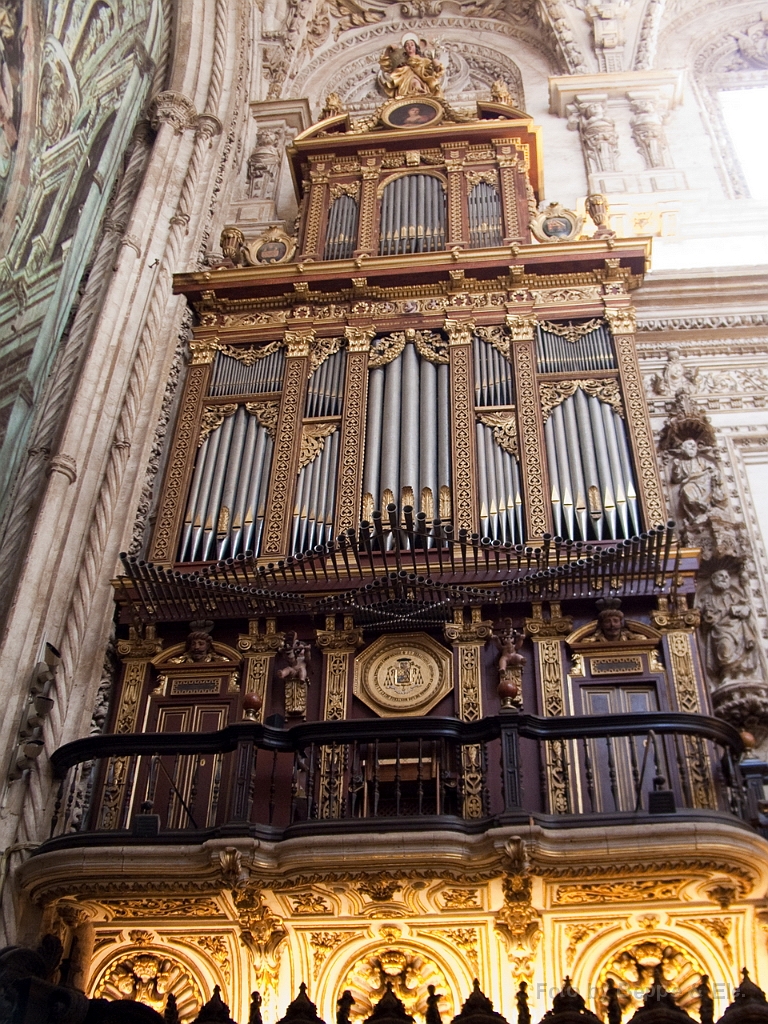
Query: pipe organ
(409, 574)
(412, 215)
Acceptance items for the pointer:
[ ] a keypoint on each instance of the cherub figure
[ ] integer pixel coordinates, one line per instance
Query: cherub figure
(509, 643)
(295, 675)
(407, 71)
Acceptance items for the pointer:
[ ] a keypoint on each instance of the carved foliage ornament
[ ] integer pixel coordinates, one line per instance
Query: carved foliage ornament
(408, 970)
(604, 390)
(504, 427)
(313, 437)
(571, 332)
(631, 968)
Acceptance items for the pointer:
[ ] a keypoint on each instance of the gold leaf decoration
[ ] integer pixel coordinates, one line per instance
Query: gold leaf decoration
(604, 390)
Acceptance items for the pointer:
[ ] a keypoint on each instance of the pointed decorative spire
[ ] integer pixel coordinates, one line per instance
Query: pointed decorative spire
(568, 1006)
(749, 1004)
(215, 1010)
(478, 1009)
(389, 1009)
(302, 1009)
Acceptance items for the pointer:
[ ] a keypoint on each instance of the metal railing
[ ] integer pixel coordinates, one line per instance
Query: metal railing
(381, 774)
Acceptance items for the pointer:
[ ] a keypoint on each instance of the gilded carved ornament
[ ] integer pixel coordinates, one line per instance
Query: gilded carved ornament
(259, 642)
(604, 390)
(142, 647)
(346, 639)
(409, 970)
(478, 630)
(266, 413)
(298, 342)
(249, 356)
(203, 350)
(521, 328)
(571, 332)
(313, 437)
(213, 417)
(537, 627)
(504, 426)
(149, 975)
(459, 331)
(359, 338)
(622, 321)
(675, 615)
(632, 968)
(320, 350)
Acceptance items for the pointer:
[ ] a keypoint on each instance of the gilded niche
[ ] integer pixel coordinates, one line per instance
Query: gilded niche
(407, 674)
(149, 976)
(410, 973)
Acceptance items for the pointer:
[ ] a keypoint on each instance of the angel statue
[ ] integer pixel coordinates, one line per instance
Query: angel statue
(407, 71)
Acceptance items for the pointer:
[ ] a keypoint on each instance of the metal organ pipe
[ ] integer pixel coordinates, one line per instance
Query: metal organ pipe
(591, 476)
(409, 429)
(342, 229)
(373, 435)
(390, 441)
(428, 492)
(412, 215)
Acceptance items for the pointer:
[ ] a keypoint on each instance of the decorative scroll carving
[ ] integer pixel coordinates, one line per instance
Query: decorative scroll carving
(320, 350)
(263, 933)
(606, 390)
(430, 345)
(249, 356)
(462, 414)
(504, 429)
(217, 949)
(571, 332)
(628, 891)
(465, 940)
(386, 349)
(336, 674)
(580, 932)
(351, 188)
(266, 413)
(477, 177)
(213, 417)
(313, 437)
(323, 944)
(497, 337)
(517, 921)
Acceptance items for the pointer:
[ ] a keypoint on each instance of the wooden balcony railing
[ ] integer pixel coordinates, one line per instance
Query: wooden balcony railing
(396, 774)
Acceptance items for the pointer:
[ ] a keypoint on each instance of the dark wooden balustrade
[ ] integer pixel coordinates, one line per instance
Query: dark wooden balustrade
(385, 774)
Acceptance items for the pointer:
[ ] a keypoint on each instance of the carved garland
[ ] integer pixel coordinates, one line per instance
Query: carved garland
(249, 356)
(478, 177)
(605, 390)
(213, 417)
(351, 188)
(571, 332)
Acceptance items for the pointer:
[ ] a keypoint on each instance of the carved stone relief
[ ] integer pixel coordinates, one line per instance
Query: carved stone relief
(149, 976)
(600, 142)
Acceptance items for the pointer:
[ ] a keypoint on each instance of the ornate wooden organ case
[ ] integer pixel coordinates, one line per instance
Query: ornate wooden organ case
(411, 429)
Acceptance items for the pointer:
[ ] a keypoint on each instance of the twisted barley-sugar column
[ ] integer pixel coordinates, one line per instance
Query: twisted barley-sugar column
(623, 325)
(285, 461)
(523, 347)
(462, 423)
(352, 441)
(184, 451)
